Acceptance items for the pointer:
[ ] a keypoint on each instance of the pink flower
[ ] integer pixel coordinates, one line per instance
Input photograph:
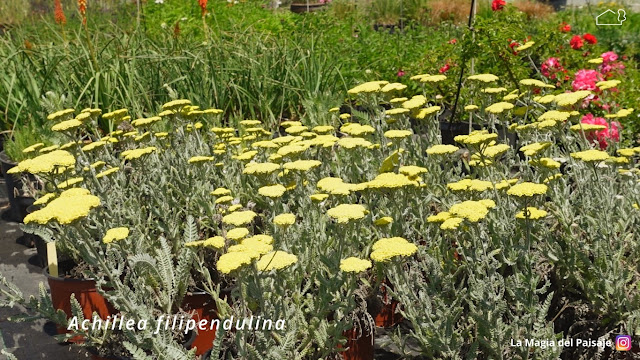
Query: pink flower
(453, 41)
(445, 68)
(550, 67)
(400, 73)
(610, 132)
(586, 80)
(609, 56)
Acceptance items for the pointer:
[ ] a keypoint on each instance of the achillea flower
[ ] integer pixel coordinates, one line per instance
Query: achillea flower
(233, 261)
(471, 107)
(272, 191)
(476, 138)
(146, 121)
(412, 170)
(353, 142)
(318, 197)
(397, 134)
(335, 186)
(368, 87)
(276, 260)
(393, 87)
(386, 249)
(451, 223)
(387, 181)
(253, 168)
(302, 165)
(494, 90)
(439, 217)
(255, 248)
(470, 185)
(216, 242)
(495, 150)
(200, 159)
(346, 212)
(386, 220)
(531, 213)
(44, 199)
(176, 104)
(473, 211)
(284, 220)
(422, 113)
(71, 205)
(415, 102)
(534, 149)
(442, 149)
(265, 239)
(221, 192)
(590, 155)
(546, 163)
(115, 234)
(239, 218)
(32, 148)
(137, 153)
(499, 107)
(70, 182)
(355, 129)
(484, 77)
(527, 189)
(246, 156)
(104, 173)
(571, 98)
(237, 233)
(224, 199)
(354, 265)
(46, 163)
(67, 125)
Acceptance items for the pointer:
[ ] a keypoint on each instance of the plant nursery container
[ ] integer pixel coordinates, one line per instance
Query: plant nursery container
(359, 346)
(300, 8)
(387, 316)
(18, 203)
(85, 292)
(203, 307)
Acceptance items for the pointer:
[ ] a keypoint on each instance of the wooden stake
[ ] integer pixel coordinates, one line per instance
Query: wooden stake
(52, 259)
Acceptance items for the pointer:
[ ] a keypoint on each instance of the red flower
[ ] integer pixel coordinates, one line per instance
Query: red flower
(576, 42)
(590, 39)
(564, 27)
(445, 68)
(203, 6)
(58, 13)
(453, 41)
(497, 5)
(400, 73)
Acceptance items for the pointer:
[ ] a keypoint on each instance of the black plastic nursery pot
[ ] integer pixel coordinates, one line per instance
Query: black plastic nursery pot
(449, 130)
(18, 204)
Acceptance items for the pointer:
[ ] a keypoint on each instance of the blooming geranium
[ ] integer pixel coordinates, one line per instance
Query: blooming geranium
(576, 42)
(611, 131)
(497, 5)
(610, 65)
(586, 80)
(590, 39)
(551, 68)
(564, 27)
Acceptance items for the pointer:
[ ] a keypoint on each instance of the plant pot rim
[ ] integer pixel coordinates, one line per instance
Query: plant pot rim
(45, 271)
(5, 158)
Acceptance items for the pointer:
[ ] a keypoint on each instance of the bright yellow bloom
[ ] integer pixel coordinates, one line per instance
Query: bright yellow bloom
(499, 107)
(476, 138)
(415, 102)
(276, 260)
(346, 212)
(70, 182)
(233, 261)
(115, 234)
(237, 233)
(567, 99)
(176, 104)
(534, 149)
(412, 170)
(495, 150)
(224, 199)
(451, 223)
(71, 205)
(147, 121)
(383, 221)
(137, 153)
(284, 220)
(397, 134)
(545, 162)
(253, 168)
(355, 129)
(239, 218)
(354, 265)
(386, 249)
(352, 142)
(221, 192)
(46, 163)
(527, 189)
(532, 213)
(44, 199)
(483, 77)
(439, 217)
(470, 185)
(200, 159)
(590, 155)
(473, 211)
(107, 172)
(442, 149)
(318, 197)
(388, 181)
(32, 148)
(272, 191)
(302, 165)
(368, 87)
(67, 125)
(495, 90)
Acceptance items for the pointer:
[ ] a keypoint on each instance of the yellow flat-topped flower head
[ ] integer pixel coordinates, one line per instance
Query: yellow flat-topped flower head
(527, 189)
(346, 212)
(439, 217)
(73, 204)
(383, 221)
(233, 261)
(276, 260)
(354, 265)
(451, 223)
(239, 218)
(115, 234)
(386, 249)
(591, 155)
(237, 233)
(442, 149)
(137, 153)
(284, 220)
(272, 191)
(484, 77)
(473, 211)
(531, 213)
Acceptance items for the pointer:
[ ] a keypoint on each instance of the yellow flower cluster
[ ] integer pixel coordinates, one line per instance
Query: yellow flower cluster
(354, 265)
(368, 87)
(137, 153)
(346, 212)
(71, 205)
(470, 185)
(239, 218)
(590, 155)
(531, 213)
(272, 191)
(115, 234)
(386, 249)
(527, 189)
(276, 260)
(477, 137)
(45, 163)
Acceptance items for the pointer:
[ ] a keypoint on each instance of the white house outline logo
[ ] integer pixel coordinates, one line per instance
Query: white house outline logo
(622, 16)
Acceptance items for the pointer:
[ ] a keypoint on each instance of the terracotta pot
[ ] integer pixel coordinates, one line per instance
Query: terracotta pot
(358, 347)
(387, 316)
(300, 8)
(203, 307)
(85, 292)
